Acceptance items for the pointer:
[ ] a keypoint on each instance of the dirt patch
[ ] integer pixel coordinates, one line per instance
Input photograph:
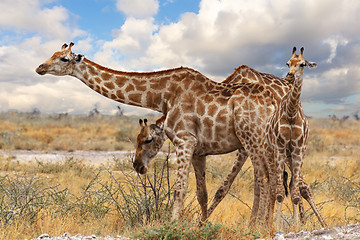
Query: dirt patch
(340, 232)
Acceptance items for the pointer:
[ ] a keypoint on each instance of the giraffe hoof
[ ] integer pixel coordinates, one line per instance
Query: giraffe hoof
(296, 200)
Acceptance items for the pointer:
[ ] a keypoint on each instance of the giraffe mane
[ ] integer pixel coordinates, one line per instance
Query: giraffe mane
(106, 69)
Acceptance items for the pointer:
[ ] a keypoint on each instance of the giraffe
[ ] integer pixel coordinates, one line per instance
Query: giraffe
(199, 122)
(279, 87)
(287, 136)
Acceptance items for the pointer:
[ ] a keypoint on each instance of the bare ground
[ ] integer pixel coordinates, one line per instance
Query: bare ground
(340, 232)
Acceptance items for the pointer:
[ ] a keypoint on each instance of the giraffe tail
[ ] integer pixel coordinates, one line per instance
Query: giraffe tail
(285, 182)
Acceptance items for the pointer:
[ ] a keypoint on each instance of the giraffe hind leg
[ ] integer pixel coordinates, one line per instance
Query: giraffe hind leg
(199, 164)
(224, 188)
(306, 194)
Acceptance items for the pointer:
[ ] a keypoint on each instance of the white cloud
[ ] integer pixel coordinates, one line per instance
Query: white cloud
(138, 8)
(30, 16)
(130, 42)
(221, 36)
(334, 42)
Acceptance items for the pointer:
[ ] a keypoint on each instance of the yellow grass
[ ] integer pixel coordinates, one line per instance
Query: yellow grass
(330, 168)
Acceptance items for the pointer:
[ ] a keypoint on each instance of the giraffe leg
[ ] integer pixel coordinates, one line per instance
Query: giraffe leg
(301, 211)
(255, 206)
(264, 195)
(294, 186)
(280, 157)
(272, 199)
(184, 152)
(306, 194)
(199, 164)
(241, 157)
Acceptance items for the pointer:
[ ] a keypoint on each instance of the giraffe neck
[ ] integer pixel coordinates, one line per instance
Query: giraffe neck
(149, 90)
(293, 101)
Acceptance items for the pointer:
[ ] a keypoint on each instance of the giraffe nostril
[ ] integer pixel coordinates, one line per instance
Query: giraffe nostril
(40, 70)
(142, 170)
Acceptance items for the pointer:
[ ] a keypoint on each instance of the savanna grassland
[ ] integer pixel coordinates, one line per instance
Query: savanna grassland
(111, 199)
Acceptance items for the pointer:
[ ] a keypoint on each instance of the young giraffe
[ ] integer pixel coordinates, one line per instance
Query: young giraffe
(288, 133)
(200, 112)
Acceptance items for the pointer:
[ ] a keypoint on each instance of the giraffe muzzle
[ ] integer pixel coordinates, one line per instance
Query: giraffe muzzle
(41, 69)
(290, 77)
(139, 168)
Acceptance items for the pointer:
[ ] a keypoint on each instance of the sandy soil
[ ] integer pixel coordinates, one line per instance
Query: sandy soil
(340, 232)
(95, 158)
(349, 232)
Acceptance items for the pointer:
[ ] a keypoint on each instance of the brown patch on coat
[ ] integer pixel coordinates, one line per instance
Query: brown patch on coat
(212, 110)
(135, 97)
(120, 81)
(120, 95)
(105, 76)
(129, 88)
(109, 85)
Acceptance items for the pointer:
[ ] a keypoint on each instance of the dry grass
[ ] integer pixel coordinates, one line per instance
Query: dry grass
(74, 197)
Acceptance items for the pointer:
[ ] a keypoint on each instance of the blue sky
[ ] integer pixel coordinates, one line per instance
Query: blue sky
(100, 17)
(212, 36)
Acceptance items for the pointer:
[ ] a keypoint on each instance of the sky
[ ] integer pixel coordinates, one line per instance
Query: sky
(211, 36)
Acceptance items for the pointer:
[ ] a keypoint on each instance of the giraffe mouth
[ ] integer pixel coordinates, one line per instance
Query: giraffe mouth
(139, 168)
(290, 77)
(40, 70)
(142, 170)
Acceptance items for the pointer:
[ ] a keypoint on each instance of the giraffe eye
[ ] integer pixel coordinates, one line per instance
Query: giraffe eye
(148, 141)
(287, 64)
(302, 65)
(64, 59)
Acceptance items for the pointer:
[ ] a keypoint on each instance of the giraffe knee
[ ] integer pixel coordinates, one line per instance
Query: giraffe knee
(279, 198)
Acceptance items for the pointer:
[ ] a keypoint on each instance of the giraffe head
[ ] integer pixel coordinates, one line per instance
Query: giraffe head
(297, 63)
(61, 63)
(149, 141)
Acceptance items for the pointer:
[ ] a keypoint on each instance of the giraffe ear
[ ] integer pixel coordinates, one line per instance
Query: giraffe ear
(160, 122)
(311, 64)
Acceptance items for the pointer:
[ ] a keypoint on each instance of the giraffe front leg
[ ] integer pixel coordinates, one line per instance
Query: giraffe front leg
(184, 152)
(199, 163)
(296, 163)
(280, 157)
(241, 157)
